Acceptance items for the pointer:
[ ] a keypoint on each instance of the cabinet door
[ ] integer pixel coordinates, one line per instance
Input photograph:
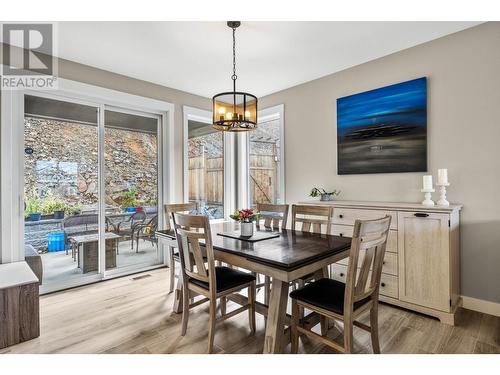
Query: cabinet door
(424, 256)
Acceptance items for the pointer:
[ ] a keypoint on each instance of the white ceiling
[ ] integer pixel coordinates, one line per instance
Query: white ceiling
(197, 56)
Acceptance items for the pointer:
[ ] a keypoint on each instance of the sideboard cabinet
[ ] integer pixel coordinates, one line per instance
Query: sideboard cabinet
(421, 270)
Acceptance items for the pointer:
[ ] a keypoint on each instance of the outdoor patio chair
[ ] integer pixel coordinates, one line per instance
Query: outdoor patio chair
(146, 231)
(127, 227)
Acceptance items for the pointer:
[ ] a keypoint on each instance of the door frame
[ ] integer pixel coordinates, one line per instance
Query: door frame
(12, 155)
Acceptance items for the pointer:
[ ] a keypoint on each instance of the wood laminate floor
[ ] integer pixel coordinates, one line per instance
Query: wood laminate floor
(134, 315)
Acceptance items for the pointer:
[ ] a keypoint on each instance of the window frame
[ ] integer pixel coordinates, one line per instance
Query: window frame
(264, 115)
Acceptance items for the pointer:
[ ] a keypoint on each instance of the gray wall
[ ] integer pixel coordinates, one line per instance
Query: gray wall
(463, 71)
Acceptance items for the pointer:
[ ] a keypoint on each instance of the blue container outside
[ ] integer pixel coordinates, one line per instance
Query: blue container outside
(56, 241)
(130, 209)
(35, 217)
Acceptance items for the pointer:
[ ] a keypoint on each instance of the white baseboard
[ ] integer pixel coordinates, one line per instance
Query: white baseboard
(486, 307)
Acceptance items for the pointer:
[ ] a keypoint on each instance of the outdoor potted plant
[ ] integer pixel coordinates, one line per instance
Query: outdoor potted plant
(323, 194)
(129, 199)
(51, 205)
(245, 217)
(73, 210)
(32, 207)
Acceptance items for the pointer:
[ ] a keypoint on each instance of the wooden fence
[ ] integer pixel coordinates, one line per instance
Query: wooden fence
(206, 178)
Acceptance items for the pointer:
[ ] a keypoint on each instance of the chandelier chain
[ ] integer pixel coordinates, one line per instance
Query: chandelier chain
(234, 55)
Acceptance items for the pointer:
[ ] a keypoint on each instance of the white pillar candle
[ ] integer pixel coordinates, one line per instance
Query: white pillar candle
(442, 176)
(427, 182)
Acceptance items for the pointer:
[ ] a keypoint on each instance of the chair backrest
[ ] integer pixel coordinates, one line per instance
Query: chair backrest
(312, 218)
(369, 240)
(153, 223)
(189, 231)
(177, 207)
(273, 215)
(137, 217)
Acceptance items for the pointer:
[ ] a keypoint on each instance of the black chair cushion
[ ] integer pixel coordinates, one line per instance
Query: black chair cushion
(327, 294)
(226, 278)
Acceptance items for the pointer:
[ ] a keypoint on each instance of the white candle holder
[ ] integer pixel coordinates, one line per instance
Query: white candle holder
(442, 195)
(428, 195)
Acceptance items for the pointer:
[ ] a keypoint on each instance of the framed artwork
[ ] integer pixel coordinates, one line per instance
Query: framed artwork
(383, 130)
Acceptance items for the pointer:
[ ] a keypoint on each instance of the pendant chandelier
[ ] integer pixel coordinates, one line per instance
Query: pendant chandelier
(234, 111)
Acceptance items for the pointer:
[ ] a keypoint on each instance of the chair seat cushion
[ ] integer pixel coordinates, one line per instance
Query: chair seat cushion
(226, 278)
(327, 294)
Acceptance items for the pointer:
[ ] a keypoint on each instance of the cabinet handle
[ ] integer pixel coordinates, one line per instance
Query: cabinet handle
(382, 284)
(341, 274)
(341, 216)
(420, 214)
(341, 234)
(383, 263)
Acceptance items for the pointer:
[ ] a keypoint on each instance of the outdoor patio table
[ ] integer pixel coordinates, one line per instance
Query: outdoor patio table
(88, 249)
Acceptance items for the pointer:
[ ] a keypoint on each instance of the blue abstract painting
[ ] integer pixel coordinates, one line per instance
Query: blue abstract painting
(383, 130)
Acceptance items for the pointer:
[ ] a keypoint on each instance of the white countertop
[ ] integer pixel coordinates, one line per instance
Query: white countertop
(14, 274)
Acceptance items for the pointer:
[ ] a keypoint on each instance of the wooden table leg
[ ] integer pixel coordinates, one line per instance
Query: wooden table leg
(276, 317)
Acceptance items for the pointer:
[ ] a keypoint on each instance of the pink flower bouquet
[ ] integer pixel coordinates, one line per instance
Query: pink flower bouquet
(245, 215)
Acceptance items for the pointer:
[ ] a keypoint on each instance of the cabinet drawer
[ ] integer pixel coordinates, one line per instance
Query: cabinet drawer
(346, 231)
(390, 262)
(389, 286)
(388, 283)
(347, 216)
(338, 272)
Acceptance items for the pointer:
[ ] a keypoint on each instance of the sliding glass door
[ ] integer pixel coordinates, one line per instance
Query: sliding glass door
(61, 189)
(92, 186)
(131, 188)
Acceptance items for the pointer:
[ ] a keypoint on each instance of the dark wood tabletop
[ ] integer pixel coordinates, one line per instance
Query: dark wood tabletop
(291, 250)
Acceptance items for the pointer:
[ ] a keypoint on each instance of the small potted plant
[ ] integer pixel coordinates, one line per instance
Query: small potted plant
(245, 217)
(73, 210)
(323, 194)
(53, 206)
(32, 207)
(129, 199)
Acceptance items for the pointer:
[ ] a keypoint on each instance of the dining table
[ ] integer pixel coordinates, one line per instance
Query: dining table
(288, 257)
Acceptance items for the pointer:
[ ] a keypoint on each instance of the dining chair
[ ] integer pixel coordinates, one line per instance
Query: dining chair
(173, 256)
(312, 218)
(274, 216)
(336, 300)
(201, 276)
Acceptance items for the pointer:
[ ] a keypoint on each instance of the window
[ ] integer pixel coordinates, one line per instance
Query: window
(206, 179)
(265, 162)
(225, 171)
